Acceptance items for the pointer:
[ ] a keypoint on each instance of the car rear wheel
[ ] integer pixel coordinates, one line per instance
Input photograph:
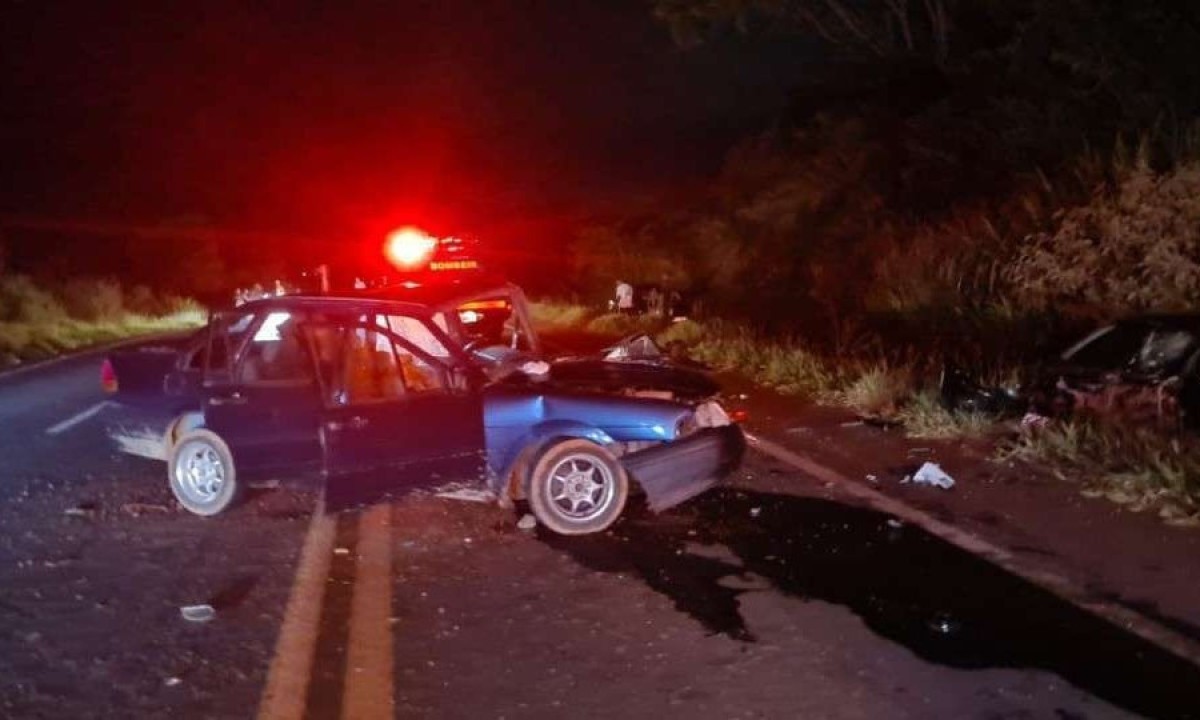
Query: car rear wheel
(201, 473)
(577, 487)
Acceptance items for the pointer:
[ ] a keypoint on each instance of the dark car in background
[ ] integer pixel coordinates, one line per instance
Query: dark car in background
(1140, 370)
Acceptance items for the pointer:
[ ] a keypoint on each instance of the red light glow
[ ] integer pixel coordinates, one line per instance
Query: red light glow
(408, 247)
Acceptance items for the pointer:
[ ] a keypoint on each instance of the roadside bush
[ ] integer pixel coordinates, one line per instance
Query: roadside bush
(94, 300)
(22, 301)
(688, 332)
(1133, 248)
(619, 325)
(141, 299)
(558, 315)
(34, 324)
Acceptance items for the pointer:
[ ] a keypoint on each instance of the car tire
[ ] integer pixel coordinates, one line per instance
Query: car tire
(577, 487)
(201, 473)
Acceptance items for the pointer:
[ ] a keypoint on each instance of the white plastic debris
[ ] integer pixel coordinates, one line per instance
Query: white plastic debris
(932, 474)
(527, 522)
(872, 478)
(172, 681)
(197, 613)
(755, 511)
(1034, 420)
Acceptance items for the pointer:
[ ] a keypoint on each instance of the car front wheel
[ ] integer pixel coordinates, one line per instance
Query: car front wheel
(577, 487)
(201, 473)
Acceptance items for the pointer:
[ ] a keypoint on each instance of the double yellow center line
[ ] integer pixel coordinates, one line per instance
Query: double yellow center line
(369, 677)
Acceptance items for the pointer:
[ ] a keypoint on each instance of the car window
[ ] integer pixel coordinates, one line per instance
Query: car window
(277, 352)
(371, 370)
(415, 332)
(221, 342)
(371, 365)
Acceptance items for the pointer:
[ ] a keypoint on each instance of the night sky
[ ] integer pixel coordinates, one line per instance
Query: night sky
(348, 118)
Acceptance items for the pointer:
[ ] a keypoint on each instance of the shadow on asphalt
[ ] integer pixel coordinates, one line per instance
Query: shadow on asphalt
(946, 605)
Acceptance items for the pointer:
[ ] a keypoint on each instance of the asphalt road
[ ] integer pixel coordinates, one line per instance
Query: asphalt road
(772, 597)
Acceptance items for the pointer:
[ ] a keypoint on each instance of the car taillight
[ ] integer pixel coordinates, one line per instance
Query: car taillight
(108, 377)
(739, 416)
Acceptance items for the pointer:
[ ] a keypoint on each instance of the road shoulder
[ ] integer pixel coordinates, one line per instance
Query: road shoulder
(1130, 568)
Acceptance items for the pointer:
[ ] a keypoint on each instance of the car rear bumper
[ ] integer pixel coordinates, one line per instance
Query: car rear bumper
(676, 472)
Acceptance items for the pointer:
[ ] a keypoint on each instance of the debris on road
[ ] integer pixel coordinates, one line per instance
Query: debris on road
(197, 613)
(932, 474)
(920, 451)
(755, 511)
(894, 523)
(138, 508)
(83, 509)
(172, 681)
(527, 522)
(341, 551)
(468, 494)
(872, 479)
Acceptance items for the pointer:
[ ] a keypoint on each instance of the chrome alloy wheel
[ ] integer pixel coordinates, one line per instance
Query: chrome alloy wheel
(199, 472)
(580, 487)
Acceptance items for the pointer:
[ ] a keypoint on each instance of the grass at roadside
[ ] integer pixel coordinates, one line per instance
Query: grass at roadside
(549, 315)
(1139, 467)
(36, 323)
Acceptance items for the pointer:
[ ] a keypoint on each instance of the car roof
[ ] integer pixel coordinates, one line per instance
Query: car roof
(334, 302)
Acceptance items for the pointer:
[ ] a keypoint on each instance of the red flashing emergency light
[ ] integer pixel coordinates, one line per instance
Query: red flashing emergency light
(409, 247)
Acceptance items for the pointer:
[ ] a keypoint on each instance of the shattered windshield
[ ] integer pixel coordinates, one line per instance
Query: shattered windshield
(1165, 352)
(1136, 347)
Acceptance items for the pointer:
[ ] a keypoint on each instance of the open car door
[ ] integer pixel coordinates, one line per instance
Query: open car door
(400, 409)
(260, 392)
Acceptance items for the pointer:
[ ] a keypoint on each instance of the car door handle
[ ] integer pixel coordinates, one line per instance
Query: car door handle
(232, 399)
(356, 422)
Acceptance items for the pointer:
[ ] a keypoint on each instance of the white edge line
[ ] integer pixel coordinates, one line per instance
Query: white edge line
(76, 419)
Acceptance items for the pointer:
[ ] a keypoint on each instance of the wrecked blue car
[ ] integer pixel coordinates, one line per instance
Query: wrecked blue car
(379, 396)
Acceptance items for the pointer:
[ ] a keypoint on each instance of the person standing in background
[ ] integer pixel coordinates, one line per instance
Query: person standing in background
(624, 297)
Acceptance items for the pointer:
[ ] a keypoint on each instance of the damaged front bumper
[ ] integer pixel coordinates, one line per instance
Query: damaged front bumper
(676, 472)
